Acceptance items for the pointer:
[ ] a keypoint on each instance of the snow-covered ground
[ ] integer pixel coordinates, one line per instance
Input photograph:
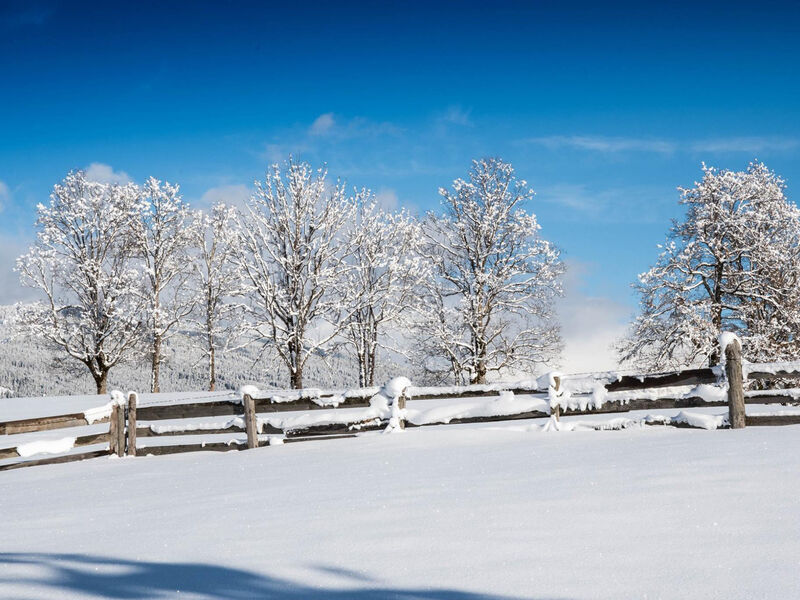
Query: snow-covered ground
(439, 513)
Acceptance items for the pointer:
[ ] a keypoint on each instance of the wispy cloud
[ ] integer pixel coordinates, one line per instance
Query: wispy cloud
(610, 144)
(635, 204)
(106, 174)
(603, 143)
(322, 125)
(456, 115)
(330, 125)
(745, 144)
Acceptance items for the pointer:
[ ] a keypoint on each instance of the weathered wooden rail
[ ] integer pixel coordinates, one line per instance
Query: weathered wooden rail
(560, 396)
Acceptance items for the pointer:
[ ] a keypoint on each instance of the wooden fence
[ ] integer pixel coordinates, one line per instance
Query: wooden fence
(547, 398)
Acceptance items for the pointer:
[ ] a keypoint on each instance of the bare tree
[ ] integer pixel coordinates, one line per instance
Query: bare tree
(733, 264)
(217, 318)
(384, 281)
(82, 263)
(289, 252)
(162, 236)
(497, 279)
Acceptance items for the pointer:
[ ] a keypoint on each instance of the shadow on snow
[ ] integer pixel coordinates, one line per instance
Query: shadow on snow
(127, 579)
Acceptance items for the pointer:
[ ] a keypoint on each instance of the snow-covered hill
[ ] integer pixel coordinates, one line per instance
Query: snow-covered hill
(445, 513)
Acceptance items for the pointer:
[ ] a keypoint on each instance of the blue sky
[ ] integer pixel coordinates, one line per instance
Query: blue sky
(604, 108)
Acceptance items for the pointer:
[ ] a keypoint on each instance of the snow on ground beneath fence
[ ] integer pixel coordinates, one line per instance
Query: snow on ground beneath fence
(457, 513)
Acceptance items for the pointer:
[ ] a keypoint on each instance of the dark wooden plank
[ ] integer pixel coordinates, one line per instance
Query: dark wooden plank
(318, 438)
(772, 397)
(92, 438)
(763, 375)
(189, 411)
(46, 423)
(55, 460)
(772, 420)
(475, 394)
(178, 449)
(265, 405)
(675, 378)
(9, 452)
(336, 428)
(680, 425)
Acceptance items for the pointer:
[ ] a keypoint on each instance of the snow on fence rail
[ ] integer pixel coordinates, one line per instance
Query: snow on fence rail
(266, 417)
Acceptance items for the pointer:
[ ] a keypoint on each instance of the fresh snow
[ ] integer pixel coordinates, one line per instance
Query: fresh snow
(46, 447)
(440, 513)
(726, 338)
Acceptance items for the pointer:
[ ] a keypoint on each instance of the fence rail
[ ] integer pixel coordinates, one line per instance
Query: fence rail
(550, 397)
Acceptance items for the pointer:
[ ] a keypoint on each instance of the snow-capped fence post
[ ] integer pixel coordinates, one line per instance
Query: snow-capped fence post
(553, 394)
(116, 430)
(401, 407)
(130, 449)
(733, 370)
(250, 424)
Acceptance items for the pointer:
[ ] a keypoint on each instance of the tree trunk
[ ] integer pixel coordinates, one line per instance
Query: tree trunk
(212, 368)
(156, 363)
(100, 381)
(297, 378)
(480, 368)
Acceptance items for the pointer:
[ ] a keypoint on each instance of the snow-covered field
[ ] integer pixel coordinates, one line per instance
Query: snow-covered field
(440, 513)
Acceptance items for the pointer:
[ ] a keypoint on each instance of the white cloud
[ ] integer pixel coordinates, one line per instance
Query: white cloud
(106, 174)
(234, 195)
(387, 199)
(322, 125)
(603, 143)
(746, 144)
(590, 326)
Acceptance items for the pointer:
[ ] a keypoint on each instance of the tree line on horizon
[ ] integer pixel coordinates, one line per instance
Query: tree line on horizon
(307, 268)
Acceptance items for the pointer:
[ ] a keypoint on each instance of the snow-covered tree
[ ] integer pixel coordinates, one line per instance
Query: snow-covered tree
(162, 237)
(82, 263)
(732, 264)
(215, 281)
(496, 277)
(383, 283)
(289, 251)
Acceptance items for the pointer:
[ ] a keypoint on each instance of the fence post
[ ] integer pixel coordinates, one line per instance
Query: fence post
(552, 393)
(733, 371)
(250, 424)
(401, 405)
(116, 430)
(131, 412)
